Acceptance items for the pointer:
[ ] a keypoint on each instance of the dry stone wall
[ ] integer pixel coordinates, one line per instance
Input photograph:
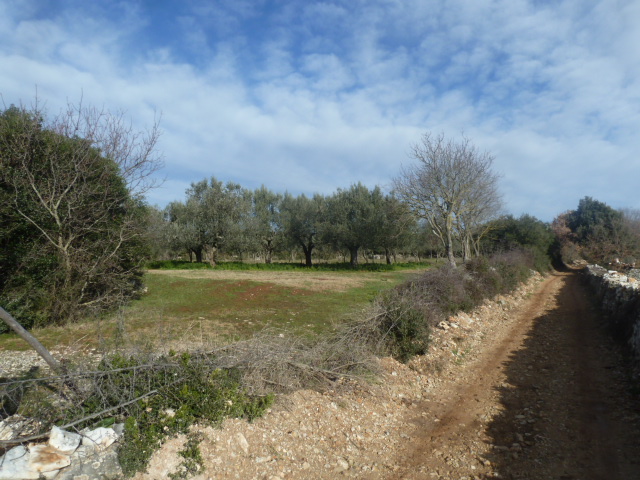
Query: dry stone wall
(619, 295)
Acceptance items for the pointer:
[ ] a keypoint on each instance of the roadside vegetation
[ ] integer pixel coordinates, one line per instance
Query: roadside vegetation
(207, 308)
(597, 233)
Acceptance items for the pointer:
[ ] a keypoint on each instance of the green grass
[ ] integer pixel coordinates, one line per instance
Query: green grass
(237, 308)
(178, 308)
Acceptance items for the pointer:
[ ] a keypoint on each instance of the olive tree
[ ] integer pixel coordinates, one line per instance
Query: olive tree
(354, 219)
(301, 220)
(265, 225)
(210, 218)
(451, 185)
(396, 226)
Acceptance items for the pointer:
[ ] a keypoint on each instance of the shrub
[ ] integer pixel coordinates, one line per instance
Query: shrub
(187, 389)
(155, 397)
(400, 326)
(405, 315)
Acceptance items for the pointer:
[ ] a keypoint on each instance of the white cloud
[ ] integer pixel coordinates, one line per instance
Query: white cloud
(553, 91)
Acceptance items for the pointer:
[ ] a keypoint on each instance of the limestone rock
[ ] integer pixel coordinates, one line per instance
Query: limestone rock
(242, 442)
(91, 464)
(18, 426)
(63, 457)
(65, 442)
(101, 438)
(14, 463)
(45, 458)
(34, 462)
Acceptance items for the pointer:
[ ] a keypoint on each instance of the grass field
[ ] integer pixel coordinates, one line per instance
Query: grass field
(191, 308)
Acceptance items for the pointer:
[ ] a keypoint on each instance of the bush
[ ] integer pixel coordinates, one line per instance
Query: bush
(71, 217)
(404, 316)
(400, 326)
(187, 389)
(155, 397)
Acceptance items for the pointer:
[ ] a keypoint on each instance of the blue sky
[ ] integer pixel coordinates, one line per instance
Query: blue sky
(308, 96)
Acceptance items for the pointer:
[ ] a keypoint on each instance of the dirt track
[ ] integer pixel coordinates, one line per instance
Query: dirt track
(527, 387)
(554, 393)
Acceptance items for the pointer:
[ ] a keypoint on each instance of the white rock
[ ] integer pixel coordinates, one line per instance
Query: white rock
(32, 464)
(65, 442)
(13, 464)
(100, 438)
(45, 458)
(17, 426)
(242, 442)
(343, 464)
(6, 432)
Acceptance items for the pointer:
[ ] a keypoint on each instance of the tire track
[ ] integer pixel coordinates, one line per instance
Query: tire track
(547, 399)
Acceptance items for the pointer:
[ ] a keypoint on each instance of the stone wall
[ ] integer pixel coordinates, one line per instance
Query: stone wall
(619, 296)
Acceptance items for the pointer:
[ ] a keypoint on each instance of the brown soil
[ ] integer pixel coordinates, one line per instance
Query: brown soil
(526, 387)
(316, 282)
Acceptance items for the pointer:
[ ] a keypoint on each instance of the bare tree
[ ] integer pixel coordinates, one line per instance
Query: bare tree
(451, 186)
(78, 180)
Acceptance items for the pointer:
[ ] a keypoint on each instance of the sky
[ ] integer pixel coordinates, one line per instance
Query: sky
(310, 96)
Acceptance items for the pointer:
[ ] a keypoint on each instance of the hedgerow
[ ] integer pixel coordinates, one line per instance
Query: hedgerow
(405, 316)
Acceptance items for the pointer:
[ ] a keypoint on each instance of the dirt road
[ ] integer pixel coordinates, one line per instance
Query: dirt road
(527, 387)
(549, 399)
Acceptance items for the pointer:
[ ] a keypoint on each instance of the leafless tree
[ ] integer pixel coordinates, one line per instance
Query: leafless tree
(452, 186)
(78, 179)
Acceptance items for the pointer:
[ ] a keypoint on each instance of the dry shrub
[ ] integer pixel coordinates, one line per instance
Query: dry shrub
(398, 327)
(280, 362)
(403, 317)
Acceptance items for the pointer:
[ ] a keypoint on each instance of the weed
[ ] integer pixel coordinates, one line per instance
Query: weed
(180, 390)
(193, 461)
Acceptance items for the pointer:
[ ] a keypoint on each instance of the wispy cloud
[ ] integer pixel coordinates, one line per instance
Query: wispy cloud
(312, 96)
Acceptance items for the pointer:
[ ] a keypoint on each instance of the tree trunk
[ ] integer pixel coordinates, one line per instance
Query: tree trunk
(353, 252)
(268, 252)
(213, 256)
(31, 340)
(466, 249)
(450, 254)
(198, 252)
(307, 254)
(387, 254)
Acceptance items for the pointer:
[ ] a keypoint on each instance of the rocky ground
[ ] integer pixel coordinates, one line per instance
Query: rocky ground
(526, 387)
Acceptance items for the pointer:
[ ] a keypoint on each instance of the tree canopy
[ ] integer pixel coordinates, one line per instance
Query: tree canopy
(452, 186)
(72, 212)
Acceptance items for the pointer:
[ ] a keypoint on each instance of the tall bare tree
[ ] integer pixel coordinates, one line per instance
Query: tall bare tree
(451, 186)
